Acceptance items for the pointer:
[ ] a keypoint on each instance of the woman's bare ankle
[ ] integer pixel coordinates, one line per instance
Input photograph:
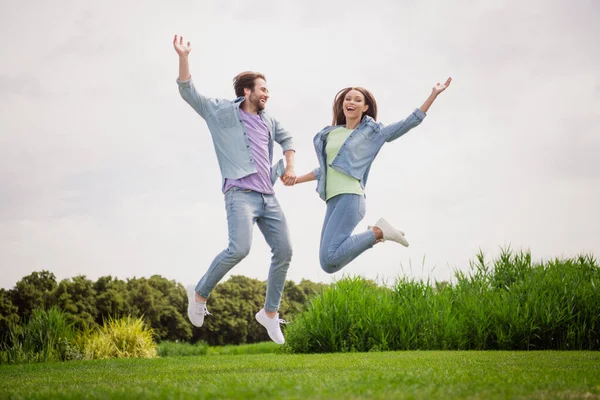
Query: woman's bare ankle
(378, 234)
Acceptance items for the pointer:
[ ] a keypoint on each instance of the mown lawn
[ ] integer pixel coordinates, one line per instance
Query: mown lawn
(386, 375)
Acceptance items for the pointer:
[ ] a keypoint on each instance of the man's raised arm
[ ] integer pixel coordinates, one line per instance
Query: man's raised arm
(183, 50)
(186, 86)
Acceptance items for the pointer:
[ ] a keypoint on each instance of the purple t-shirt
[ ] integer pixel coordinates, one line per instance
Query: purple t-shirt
(258, 136)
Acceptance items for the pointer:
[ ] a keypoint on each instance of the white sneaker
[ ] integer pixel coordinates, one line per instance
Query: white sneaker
(370, 227)
(196, 310)
(272, 325)
(391, 233)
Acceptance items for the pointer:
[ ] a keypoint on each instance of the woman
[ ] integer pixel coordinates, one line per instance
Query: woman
(345, 152)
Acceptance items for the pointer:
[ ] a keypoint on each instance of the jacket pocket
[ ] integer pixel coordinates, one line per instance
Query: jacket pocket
(368, 133)
(226, 118)
(276, 171)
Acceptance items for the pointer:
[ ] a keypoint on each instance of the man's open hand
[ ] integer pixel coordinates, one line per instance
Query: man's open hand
(182, 49)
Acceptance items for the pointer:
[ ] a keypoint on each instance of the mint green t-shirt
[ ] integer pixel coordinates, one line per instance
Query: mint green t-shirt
(337, 182)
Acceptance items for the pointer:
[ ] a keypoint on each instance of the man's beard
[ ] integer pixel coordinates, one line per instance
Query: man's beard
(259, 106)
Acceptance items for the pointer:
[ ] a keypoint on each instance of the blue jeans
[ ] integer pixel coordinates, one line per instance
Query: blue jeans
(244, 208)
(338, 248)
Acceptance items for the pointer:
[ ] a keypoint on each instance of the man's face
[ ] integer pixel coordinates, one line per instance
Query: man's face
(259, 96)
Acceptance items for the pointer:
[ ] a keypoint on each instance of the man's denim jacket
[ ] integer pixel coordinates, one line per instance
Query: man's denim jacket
(360, 149)
(229, 133)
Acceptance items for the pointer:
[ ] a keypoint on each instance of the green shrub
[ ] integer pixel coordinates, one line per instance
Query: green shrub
(121, 338)
(47, 336)
(512, 304)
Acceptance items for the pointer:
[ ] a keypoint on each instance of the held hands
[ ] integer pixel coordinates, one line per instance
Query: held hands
(437, 89)
(182, 49)
(289, 177)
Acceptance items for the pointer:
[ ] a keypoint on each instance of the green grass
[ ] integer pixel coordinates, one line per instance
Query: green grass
(183, 349)
(169, 348)
(381, 375)
(246, 349)
(510, 304)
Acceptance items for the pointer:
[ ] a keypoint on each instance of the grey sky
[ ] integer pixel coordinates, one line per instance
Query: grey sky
(105, 170)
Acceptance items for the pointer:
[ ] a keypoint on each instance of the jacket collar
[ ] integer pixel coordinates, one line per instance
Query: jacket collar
(238, 103)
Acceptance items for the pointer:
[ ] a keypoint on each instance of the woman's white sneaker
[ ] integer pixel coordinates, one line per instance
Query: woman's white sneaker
(391, 233)
(370, 228)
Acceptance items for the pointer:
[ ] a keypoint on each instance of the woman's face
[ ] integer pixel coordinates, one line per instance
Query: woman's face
(354, 104)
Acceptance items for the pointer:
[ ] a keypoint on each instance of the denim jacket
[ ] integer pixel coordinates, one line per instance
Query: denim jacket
(229, 133)
(360, 148)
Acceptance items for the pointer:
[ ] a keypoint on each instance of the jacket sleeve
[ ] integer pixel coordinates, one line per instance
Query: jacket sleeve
(394, 131)
(282, 136)
(198, 102)
(317, 172)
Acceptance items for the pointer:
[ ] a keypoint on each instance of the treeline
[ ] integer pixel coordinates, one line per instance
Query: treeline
(162, 304)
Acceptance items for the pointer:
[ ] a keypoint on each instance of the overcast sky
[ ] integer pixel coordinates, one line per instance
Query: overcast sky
(105, 170)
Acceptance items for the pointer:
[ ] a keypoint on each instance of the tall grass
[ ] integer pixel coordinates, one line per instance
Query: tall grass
(512, 303)
(47, 336)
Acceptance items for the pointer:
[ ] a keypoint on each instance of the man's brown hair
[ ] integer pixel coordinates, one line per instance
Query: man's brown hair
(245, 80)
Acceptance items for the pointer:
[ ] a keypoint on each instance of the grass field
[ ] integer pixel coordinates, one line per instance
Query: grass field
(375, 375)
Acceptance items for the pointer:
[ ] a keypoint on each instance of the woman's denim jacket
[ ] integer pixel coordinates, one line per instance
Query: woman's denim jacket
(360, 149)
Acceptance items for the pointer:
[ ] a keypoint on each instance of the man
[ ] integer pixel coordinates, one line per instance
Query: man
(243, 135)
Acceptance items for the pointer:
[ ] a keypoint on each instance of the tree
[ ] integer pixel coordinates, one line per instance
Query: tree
(163, 304)
(77, 298)
(112, 299)
(9, 314)
(234, 303)
(173, 300)
(33, 292)
(296, 297)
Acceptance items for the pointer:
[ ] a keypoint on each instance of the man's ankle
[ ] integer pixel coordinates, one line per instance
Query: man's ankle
(200, 299)
(271, 314)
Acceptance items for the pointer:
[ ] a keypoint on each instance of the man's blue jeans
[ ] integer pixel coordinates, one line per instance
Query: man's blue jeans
(244, 208)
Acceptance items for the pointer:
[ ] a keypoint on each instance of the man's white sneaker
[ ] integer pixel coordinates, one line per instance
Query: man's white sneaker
(272, 326)
(196, 310)
(391, 233)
